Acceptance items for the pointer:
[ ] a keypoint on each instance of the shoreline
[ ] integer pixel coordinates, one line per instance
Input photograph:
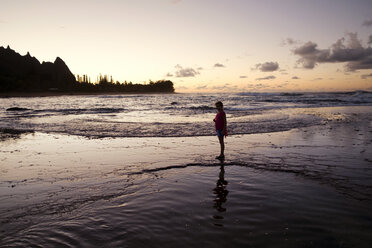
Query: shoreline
(184, 149)
(325, 115)
(52, 94)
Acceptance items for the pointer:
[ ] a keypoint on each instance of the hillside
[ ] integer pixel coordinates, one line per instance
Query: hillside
(26, 74)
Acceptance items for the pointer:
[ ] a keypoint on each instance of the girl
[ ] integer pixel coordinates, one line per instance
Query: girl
(221, 127)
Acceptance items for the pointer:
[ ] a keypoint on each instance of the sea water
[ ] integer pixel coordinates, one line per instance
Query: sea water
(175, 115)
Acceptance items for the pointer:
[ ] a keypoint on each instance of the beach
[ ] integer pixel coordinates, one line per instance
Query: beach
(309, 186)
(182, 124)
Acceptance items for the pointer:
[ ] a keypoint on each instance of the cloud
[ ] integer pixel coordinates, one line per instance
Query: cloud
(226, 87)
(289, 41)
(367, 23)
(369, 40)
(185, 72)
(202, 87)
(317, 79)
(182, 88)
(243, 77)
(218, 65)
(353, 53)
(268, 66)
(365, 76)
(280, 86)
(259, 86)
(295, 77)
(266, 78)
(169, 74)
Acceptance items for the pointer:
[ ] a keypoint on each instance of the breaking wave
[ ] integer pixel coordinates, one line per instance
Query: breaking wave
(169, 115)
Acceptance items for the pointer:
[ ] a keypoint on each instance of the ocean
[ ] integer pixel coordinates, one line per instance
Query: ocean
(140, 171)
(175, 115)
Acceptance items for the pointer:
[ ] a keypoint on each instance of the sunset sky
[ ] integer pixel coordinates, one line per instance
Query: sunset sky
(201, 45)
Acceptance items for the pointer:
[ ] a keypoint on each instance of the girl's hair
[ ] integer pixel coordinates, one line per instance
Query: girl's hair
(219, 103)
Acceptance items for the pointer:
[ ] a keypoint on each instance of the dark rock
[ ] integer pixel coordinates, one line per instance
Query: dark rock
(26, 73)
(16, 109)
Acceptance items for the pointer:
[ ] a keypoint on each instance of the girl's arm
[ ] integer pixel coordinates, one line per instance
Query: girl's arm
(224, 124)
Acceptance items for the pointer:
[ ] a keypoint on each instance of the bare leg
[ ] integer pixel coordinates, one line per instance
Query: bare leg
(222, 145)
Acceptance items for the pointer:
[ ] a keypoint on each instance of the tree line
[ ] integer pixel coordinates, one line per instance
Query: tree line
(105, 83)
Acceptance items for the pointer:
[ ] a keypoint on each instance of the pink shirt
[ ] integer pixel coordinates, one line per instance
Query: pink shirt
(220, 120)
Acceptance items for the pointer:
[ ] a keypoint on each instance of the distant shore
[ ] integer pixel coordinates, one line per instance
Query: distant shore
(50, 93)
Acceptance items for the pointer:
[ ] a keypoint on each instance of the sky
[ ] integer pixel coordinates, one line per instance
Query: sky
(201, 45)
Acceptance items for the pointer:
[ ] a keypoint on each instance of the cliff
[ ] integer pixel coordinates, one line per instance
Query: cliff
(26, 73)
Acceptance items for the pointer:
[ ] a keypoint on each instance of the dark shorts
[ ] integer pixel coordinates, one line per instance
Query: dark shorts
(219, 133)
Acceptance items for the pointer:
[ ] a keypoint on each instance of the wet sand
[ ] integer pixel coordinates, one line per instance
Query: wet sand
(308, 187)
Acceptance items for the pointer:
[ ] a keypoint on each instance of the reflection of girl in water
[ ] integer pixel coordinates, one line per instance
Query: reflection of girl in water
(220, 191)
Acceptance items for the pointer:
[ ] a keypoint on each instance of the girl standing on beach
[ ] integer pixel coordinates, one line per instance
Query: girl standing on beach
(221, 127)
